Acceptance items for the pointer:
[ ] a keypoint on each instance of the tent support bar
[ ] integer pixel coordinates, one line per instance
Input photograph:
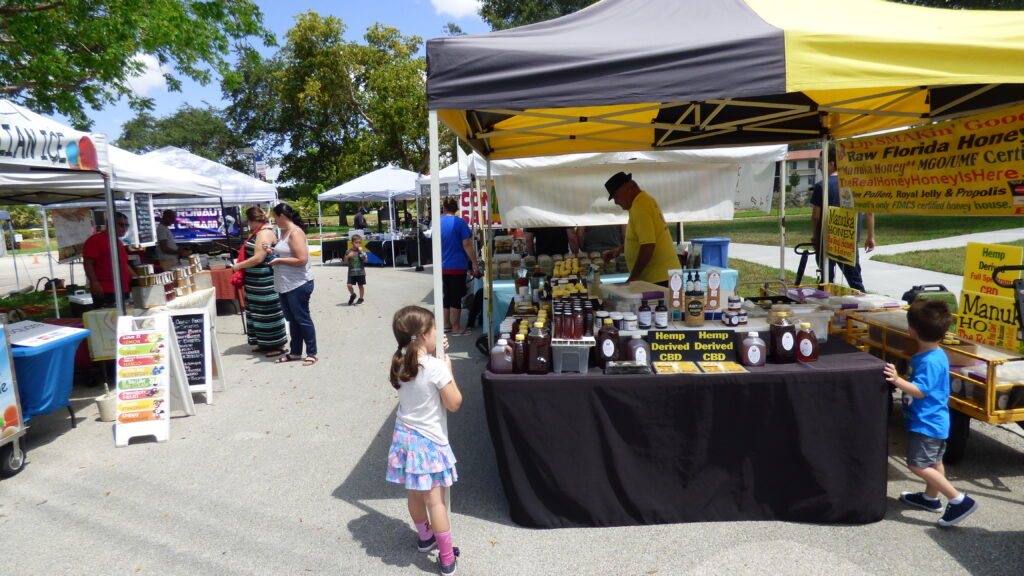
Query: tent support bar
(53, 283)
(489, 269)
(823, 233)
(964, 98)
(435, 230)
(320, 221)
(113, 240)
(783, 178)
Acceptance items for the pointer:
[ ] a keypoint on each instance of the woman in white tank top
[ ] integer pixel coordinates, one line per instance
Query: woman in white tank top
(293, 279)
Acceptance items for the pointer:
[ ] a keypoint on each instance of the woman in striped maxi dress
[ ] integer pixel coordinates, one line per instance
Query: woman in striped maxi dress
(264, 319)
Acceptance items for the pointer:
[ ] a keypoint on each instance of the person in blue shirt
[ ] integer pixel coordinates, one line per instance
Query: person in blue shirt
(457, 257)
(926, 412)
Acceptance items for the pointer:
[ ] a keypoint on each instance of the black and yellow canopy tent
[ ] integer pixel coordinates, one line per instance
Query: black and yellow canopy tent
(653, 74)
(658, 74)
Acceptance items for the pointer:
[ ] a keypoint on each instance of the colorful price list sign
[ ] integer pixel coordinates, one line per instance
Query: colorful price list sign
(143, 380)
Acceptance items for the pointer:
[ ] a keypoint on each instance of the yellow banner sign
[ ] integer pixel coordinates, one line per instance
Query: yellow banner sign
(842, 235)
(989, 320)
(967, 167)
(982, 259)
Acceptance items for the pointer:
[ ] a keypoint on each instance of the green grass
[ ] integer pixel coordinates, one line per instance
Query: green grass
(42, 298)
(751, 272)
(946, 260)
(889, 228)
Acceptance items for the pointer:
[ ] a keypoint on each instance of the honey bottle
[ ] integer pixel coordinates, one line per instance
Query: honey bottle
(806, 344)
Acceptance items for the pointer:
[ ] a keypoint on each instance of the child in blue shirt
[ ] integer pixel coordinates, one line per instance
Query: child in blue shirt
(926, 411)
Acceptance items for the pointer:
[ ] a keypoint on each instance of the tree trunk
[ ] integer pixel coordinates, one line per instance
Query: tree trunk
(342, 216)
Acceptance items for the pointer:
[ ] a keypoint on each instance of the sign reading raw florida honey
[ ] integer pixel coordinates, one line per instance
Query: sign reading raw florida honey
(987, 312)
(966, 167)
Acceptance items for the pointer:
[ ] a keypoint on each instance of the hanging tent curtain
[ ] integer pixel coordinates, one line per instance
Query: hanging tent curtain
(660, 74)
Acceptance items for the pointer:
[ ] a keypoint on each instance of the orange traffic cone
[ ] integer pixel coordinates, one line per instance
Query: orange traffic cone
(35, 259)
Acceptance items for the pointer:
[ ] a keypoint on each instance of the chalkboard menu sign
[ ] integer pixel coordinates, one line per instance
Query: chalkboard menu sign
(190, 331)
(142, 220)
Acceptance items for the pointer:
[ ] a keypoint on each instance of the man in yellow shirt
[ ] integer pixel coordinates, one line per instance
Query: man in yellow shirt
(649, 250)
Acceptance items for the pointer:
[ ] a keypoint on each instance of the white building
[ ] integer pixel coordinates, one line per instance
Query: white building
(806, 164)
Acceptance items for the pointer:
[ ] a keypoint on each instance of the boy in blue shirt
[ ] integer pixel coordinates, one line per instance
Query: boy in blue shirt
(926, 411)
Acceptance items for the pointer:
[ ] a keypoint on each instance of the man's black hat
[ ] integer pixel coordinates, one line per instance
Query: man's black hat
(616, 182)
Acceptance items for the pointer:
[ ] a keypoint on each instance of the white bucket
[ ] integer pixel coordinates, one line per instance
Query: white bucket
(108, 407)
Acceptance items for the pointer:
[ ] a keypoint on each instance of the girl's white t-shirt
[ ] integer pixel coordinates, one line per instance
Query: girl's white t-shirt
(419, 400)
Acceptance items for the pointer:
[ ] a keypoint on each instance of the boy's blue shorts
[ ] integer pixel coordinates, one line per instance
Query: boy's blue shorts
(924, 451)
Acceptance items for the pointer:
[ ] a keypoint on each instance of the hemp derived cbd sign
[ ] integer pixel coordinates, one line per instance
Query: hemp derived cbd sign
(966, 167)
(693, 346)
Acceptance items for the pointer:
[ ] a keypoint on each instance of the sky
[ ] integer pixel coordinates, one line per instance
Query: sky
(424, 18)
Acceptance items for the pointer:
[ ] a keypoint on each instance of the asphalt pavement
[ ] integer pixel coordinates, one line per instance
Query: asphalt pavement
(283, 474)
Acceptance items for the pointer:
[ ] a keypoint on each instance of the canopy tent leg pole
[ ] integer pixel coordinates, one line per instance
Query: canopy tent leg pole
(14, 257)
(49, 260)
(435, 230)
(485, 250)
(782, 220)
(823, 234)
(115, 255)
(391, 230)
(489, 285)
(320, 221)
(419, 232)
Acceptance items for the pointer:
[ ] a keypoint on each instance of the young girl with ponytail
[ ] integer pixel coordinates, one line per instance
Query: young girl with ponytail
(420, 457)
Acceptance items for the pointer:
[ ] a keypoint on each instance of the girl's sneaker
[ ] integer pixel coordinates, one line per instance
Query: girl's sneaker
(449, 569)
(426, 545)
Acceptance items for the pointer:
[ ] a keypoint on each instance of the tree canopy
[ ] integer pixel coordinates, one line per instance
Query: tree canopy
(334, 109)
(202, 131)
(61, 56)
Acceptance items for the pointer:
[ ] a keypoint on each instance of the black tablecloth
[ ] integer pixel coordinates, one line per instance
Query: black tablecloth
(799, 442)
(333, 249)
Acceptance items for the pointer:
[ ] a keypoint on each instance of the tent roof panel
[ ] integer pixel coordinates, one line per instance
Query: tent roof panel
(741, 72)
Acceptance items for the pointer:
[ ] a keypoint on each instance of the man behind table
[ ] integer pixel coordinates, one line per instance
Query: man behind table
(99, 269)
(648, 246)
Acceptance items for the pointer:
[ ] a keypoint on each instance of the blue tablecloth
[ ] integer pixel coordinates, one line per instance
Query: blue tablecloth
(505, 290)
(45, 374)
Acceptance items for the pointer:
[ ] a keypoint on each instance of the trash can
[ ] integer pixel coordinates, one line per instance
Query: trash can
(713, 251)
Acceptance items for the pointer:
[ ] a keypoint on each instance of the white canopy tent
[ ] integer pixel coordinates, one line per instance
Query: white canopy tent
(452, 177)
(47, 163)
(236, 187)
(385, 184)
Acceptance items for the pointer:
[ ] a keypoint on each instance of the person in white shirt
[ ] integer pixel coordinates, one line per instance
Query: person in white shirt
(167, 251)
(420, 458)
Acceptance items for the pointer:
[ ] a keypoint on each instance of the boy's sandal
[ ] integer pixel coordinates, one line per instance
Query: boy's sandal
(309, 361)
(287, 358)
